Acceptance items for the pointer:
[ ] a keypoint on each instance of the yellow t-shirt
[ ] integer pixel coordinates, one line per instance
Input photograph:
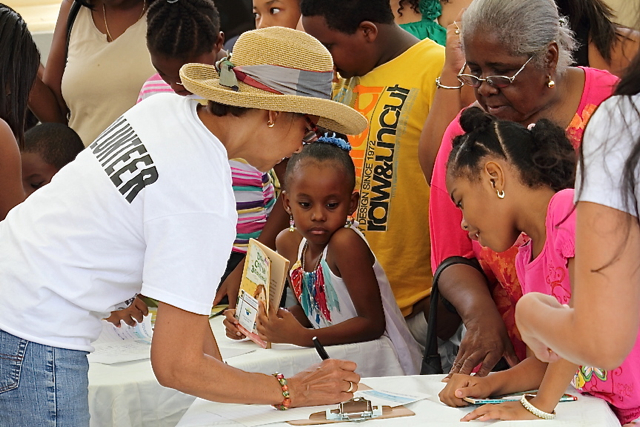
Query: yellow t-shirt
(393, 212)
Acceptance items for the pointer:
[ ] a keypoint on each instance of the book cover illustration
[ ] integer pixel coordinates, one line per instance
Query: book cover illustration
(263, 278)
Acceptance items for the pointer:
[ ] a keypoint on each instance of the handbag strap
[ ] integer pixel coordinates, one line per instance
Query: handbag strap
(431, 363)
(73, 13)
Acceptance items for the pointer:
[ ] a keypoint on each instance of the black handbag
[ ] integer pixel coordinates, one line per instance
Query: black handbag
(431, 363)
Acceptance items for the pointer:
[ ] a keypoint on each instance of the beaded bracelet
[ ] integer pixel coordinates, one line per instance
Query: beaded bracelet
(535, 411)
(441, 86)
(286, 403)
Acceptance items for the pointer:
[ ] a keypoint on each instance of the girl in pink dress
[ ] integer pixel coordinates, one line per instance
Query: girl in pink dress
(508, 180)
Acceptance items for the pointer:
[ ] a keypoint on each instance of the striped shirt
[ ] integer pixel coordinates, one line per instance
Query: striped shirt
(254, 190)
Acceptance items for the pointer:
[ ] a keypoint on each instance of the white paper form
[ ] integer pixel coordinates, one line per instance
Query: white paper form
(123, 344)
(390, 398)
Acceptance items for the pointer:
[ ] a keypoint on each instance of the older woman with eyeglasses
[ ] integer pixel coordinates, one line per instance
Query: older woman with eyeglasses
(517, 58)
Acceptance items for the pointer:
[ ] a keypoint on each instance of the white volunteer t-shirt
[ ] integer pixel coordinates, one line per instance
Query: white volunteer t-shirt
(611, 134)
(147, 208)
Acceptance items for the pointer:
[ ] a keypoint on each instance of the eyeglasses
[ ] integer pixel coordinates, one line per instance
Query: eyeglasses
(494, 81)
(313, 132)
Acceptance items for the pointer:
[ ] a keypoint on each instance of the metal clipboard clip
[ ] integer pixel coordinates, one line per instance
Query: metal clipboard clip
(356, 409)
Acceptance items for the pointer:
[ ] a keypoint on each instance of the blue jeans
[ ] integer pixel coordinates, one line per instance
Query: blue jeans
(41, 385)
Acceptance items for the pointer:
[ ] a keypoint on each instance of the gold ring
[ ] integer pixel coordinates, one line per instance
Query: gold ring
(351, 389)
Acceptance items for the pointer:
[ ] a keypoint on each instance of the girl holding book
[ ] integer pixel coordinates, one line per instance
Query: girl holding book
(509, 180)
(343, 294)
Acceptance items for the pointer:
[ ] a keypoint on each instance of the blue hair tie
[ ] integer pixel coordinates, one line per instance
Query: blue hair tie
(333, 140)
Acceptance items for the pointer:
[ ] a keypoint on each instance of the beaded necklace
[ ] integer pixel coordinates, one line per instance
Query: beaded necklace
(304, 255)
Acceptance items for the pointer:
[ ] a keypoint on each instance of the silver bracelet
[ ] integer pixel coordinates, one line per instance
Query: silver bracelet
(441, 86)
(535, 411)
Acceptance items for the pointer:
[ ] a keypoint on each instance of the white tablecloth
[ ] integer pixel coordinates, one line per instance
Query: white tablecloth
(587, 411)
(127, 394)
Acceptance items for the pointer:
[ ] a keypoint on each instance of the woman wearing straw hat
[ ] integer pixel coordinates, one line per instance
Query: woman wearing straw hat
(148, 208)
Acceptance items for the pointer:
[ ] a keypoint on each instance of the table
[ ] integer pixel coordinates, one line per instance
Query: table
(587, 411)
(128, 394)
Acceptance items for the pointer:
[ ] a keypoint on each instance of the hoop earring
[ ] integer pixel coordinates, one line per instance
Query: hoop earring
(551, 84)
(500, 194)
(270, 124)
(292, 224)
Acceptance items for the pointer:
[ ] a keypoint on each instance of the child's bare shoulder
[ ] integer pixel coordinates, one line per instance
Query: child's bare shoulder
(287, 243)
(346, 241)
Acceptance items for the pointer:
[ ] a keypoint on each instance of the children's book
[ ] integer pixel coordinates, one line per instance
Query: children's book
(512, 398)
(265, 273)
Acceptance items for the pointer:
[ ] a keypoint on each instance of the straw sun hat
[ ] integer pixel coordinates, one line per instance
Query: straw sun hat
(277, 69)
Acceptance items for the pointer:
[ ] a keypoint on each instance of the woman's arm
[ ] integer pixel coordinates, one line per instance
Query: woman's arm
(12, 192)
(602, 327)
(43, 102)
(181, 357)
(54, 70)
(447, 103)
(452, 11)
(349, 257)
(486, 339)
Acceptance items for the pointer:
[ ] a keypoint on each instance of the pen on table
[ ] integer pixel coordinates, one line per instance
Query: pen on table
(320, 348)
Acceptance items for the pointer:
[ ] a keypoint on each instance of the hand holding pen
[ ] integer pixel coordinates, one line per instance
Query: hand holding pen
(353, 386)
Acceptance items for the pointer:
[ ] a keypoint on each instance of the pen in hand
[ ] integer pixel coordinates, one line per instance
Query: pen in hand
(320, 348)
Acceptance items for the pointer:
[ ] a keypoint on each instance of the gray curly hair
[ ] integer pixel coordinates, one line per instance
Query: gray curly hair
(526, 27)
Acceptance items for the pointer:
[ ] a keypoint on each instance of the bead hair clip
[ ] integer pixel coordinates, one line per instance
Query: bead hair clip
(172, 1)
(333, 140)
(530, 126)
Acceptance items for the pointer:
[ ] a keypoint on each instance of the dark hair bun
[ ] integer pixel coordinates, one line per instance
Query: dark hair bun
(474, 118)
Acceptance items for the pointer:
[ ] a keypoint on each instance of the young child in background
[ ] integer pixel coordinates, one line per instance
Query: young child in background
(372, 55)
(281, 13)
(343, 294)
(47, 148)
(509, 180)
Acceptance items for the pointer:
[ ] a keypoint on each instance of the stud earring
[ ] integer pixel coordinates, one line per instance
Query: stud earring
(500, 194)
(349, 222)
(292, 224)
(551, 83)
(270, 124)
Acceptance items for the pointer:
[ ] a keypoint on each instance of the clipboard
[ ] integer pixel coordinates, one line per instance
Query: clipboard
(368, 411)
